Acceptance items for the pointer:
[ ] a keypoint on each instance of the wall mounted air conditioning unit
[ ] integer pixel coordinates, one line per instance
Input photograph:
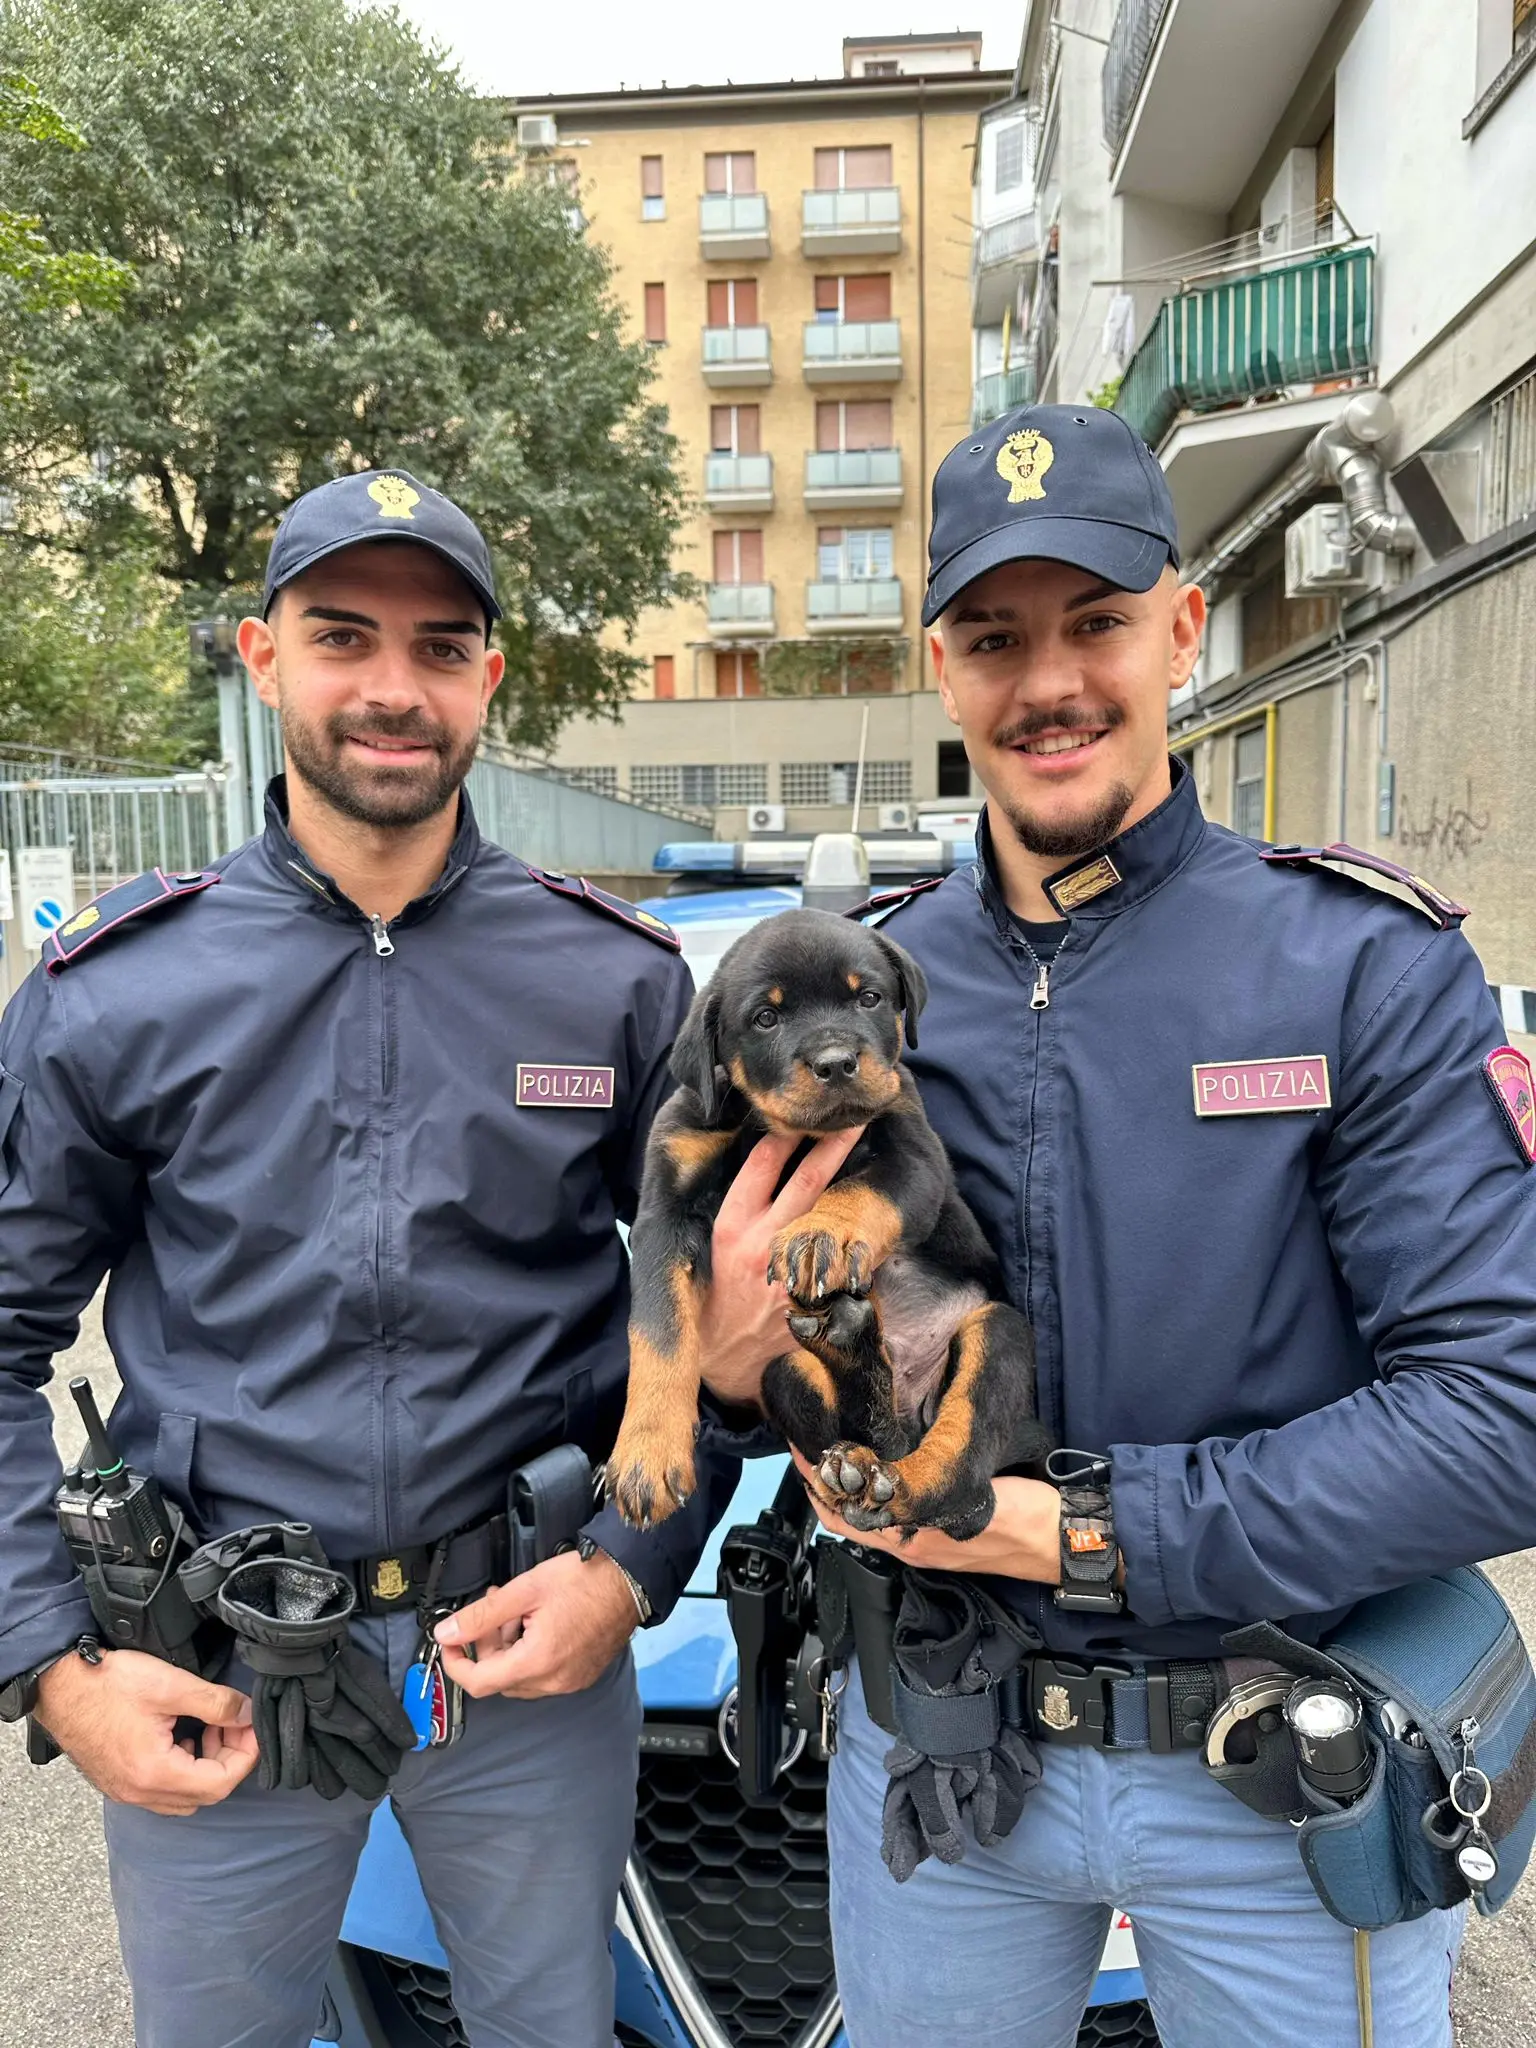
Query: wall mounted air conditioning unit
(537, 131)
(765, 818)
(1319, 556)
(898, 817)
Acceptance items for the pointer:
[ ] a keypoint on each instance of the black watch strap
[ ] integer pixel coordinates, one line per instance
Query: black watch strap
(1090, 1555)
(18, 1695)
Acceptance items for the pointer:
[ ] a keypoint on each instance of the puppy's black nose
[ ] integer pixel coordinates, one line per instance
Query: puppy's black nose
(835, 1063)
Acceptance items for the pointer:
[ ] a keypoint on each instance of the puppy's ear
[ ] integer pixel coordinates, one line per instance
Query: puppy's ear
(911, 981)
(696, 1052)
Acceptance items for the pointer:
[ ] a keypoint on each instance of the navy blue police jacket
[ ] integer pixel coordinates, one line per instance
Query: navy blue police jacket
(1305, 1337)
(357, 1274)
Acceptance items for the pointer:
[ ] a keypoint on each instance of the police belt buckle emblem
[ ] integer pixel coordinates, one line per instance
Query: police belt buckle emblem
(1056, 1709)
(389, 1581)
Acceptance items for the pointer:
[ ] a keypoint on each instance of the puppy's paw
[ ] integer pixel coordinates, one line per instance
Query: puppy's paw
(812, 1263)
(835, 1329)
(651, 1472)
(867, 1492)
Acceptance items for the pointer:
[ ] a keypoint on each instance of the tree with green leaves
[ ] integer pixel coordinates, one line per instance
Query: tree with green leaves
(336, 264)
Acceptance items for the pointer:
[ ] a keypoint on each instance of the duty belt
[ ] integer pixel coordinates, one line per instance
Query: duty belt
(472, 1559)
(1155, 1706)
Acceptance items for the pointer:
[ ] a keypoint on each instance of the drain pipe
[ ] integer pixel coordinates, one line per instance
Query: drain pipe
(1345, 453)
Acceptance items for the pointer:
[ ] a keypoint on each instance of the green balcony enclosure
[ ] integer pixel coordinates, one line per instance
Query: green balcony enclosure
(1251, 337)
(1003, 391)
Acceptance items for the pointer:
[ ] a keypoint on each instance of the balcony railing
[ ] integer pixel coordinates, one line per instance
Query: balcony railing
(734, 225)
(741, 607)
(743, 481)
(852, 350)
(736, 355)
(1004, 241)
(853, 476)
(1251, 337)
(1131, 43)
(865, 219)
(873, 601)
(1002, 391)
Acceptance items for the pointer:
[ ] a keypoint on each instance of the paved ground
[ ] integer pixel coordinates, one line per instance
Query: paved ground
(61, 1982)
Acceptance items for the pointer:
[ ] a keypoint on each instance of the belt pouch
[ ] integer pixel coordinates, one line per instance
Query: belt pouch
(1351, 1855)
(874, 1584)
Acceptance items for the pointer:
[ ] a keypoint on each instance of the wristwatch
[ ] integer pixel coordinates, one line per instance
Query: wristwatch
(1090, 1556)
(18, 1695)
(588, 1546)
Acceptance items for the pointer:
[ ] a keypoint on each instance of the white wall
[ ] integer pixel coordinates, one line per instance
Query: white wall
(1451, 215)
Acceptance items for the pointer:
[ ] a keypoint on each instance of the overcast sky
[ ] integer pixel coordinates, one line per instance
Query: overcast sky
(516, 46)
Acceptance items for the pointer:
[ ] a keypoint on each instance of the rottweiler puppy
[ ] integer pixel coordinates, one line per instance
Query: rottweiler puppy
(910, 1383)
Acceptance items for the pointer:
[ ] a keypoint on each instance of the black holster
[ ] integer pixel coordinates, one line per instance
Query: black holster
(858, 1596)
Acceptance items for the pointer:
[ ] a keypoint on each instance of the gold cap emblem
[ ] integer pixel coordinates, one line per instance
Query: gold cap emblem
(1022, 462)
(393, 496)
(389, 1580)
(89, 916)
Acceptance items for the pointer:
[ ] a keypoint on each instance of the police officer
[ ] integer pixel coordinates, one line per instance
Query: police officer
(1239, 1130)
(349, 1120)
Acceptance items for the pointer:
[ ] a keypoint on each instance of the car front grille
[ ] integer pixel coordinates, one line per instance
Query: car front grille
(743, 1889)
(1118, 2026)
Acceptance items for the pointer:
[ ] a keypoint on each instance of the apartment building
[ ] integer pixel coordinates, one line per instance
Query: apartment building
(1295, 246)
(797, 254)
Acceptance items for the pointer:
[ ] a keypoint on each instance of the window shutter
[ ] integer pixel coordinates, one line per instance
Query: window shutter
(829, 426)
(655, 312)
(650, 178)
(867, 298)
(751, 540)
(666, 675)
(745, 302)
(714, 173)
(719, 301)
(748, 430)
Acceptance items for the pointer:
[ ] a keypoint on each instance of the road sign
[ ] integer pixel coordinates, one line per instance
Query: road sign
(46, 886)
(7, 901)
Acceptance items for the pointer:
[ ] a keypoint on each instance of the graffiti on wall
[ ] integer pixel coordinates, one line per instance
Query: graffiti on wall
(1447, 831)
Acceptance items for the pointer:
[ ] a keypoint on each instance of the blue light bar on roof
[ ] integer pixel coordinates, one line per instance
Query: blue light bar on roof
(696, 857)
(764, 860)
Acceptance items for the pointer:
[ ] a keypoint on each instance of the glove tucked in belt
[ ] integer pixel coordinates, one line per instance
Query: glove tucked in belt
(322, 1709)
(958, 1757)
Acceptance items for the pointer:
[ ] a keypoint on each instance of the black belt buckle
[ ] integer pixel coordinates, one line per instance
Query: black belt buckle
(1070, 1702)
(387, 1584)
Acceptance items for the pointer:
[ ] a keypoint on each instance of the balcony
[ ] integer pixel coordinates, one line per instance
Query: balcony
(738, 483)
(1002, 391)
(1294, 337)
(741, 611)
(866, 605)
(1224, 69)
(1000, 256)
(736, 356)
(865, 221)
(733, 227)
(852, 351)
(852, 478)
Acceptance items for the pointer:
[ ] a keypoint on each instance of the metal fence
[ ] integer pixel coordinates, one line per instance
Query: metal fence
(1131, 43)
(1512, 456)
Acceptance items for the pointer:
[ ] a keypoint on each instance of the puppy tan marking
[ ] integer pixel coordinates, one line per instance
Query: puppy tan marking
(651, 1471)
(837, 1248)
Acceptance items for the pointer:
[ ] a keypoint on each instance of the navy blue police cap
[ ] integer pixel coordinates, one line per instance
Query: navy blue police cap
(378, 505)
(1053, 483)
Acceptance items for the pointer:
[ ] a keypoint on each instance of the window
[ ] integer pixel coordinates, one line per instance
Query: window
(855, 554)
(733, 171)
(735, 430)
(705, 784)
(737, 675)
(1010, 157)
(653, 202)
(866, 297)
(1248, 783)
(601, 781)
(664, 675)
(732, 302)
(811, 783)
(881, 67)
(851, 170)
(656, 312)
(954, 769)
(843, 423)
(739, 555)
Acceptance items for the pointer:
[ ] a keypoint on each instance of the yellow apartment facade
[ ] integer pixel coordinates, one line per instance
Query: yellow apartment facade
(798, 255)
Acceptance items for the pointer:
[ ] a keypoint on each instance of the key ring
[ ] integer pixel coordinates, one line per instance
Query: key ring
(1465, 1776)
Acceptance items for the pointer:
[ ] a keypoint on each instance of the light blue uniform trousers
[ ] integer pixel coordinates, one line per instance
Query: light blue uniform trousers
(519, 1830)
(1003, 1947)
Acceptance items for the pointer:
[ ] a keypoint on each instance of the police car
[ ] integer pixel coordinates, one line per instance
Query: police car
(723, 1938)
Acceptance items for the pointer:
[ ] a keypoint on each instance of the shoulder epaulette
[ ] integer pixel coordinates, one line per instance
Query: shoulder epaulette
(1446, 912)
(580, 890)
(114, 908)
(887, 901)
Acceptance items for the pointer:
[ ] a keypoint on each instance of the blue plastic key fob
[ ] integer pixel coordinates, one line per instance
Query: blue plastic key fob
(417, 1697)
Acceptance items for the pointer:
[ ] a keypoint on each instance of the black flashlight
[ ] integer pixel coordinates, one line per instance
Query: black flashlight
(1328, 1728)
